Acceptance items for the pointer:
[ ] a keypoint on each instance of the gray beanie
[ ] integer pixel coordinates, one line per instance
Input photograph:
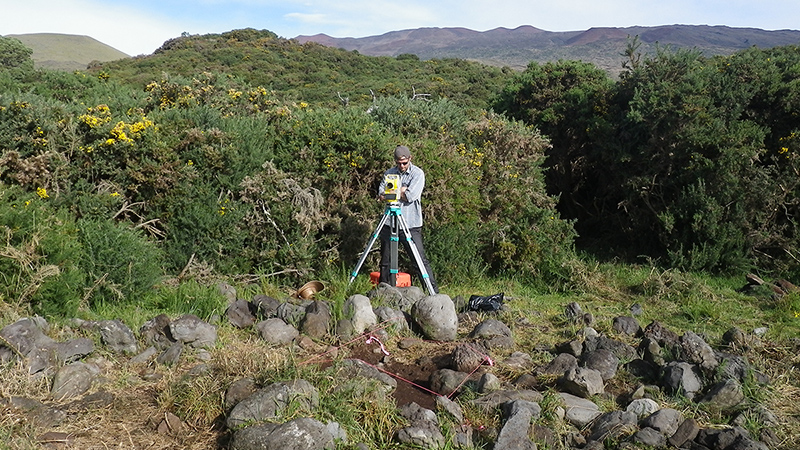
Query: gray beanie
(401, 152)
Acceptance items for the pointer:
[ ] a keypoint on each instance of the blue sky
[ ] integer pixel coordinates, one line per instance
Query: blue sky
(140, 27)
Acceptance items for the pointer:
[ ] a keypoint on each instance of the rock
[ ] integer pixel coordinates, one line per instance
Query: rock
(686, 432)
(436, 317)
(696, 351)
(359, 311)
(291, 313)
(642, 407)
(117, 337)
(490, 328)
(661, 335)
(266, 307)
(227, 291)
(467, 357)
(317, 320)
(724, 438)
(650, 437)
(95, 401)
(72, 380)
(73, 350)
(603, 361)
(298, 434)
(573, 311)
(345, 330)
(561, 364)
(277, 332)
(514, 434)
(192, 331)
(682, 378)
(447, 381)
(452, 408)
(171, 355)
(488, 383)
(22, 337)
(392, 319)
(358, 369)
(239, 314)
(738, 340)
(238, 391)
(645, 370)
(626, 325)
(424, 430)
(169, 424)
(519, 361)
(144, 356)
(579, 411)
(652, 352)
(621, 350)
(420, 437)
(269, 402)
(38, 413)
(573, 347)
(156, 332)
(492, 333)
(666, 421)
(724, 395)
(612, 425)
(582, 382)
(495, 399)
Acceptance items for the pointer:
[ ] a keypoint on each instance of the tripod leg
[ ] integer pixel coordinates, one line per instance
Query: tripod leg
(422, 270)
(369, 246)
(394, 261)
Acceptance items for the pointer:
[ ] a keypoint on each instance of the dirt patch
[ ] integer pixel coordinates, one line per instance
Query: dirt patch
(411, 368)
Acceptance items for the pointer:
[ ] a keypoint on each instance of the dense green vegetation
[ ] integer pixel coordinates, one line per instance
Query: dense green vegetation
(688, 159)
(249, 154)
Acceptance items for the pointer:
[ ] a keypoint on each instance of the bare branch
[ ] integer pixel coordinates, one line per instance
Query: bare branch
(416, 96)
(345, 100)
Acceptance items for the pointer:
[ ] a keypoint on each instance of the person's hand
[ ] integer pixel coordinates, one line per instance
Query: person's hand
(403, 193)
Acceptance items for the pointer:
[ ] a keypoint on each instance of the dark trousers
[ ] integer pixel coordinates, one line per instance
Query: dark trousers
(386, 254)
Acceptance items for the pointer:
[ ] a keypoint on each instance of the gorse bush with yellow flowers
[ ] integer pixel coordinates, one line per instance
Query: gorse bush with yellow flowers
(212, 171)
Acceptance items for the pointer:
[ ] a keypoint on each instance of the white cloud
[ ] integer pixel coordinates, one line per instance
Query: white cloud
(125, 28)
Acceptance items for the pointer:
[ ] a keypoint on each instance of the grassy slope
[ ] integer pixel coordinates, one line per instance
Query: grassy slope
(66, 51)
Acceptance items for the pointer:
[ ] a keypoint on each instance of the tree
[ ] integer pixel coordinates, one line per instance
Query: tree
(14, 54)
(684, 161)
(568, 102)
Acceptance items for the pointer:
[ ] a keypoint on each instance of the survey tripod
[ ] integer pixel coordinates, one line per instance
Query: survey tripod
(397, 223)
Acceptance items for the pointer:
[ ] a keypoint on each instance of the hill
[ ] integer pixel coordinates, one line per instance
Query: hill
(66, 51)
(517, 47)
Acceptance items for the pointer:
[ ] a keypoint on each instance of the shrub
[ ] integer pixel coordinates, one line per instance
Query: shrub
(120, 263)
(40, 254)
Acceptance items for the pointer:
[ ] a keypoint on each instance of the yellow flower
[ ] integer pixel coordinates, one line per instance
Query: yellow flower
(115, 194)
(42, 192)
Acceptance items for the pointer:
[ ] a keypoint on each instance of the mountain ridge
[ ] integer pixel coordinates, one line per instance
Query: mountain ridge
(518, 46)
(502, 47)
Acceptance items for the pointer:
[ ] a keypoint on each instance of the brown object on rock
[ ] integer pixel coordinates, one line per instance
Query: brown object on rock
(308, 290)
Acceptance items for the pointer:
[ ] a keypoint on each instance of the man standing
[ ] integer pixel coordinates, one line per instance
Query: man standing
(412, 182)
